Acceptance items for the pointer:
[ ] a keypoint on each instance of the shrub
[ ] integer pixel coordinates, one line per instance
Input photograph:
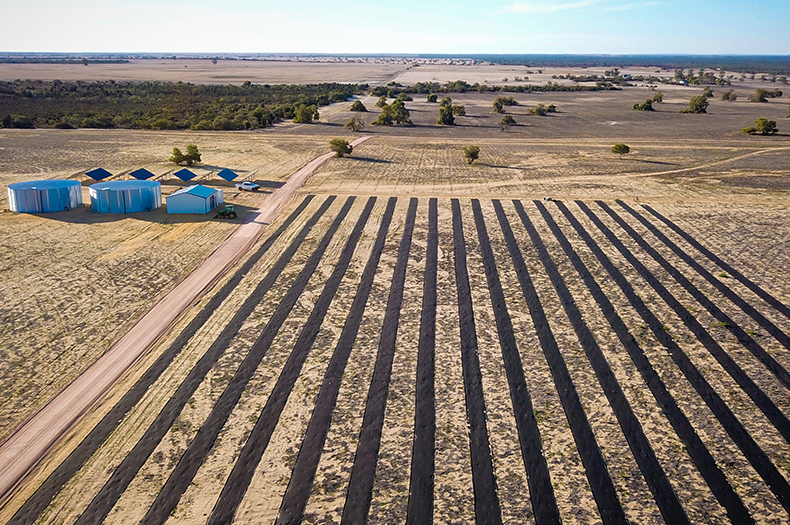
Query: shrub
(620, 149)
(507, 120)
(658, 97)
(432, 98)
(381, 102)
(647, 105)
(341, 147)
(698, 104)
(358, 106)
(762, 126)
(471, 153)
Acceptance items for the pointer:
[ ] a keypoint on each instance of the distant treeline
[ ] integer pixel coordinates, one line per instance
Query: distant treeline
(84, 61)
(393, 89)
(159, 105)
(779, 65)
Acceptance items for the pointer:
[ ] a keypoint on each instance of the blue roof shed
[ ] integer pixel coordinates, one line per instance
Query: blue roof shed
(194, 199)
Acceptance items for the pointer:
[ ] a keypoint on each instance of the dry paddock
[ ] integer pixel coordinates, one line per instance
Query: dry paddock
(486, 360)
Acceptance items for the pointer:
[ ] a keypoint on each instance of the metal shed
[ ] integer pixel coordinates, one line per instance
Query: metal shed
(194, 199)
(42, 196)
(125, 196)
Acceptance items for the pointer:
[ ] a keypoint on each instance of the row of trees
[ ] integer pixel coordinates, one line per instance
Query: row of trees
(163, 105)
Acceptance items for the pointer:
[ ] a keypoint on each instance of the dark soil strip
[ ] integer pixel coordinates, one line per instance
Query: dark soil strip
(700, 455)
(594, 465)
(544, 504)
(668, 502)
(487, 510)
(261, 434)
(363, 472)
(193, 457)
(420, 506)
(751, 450)
(298, 491)
(763, 402)
(36, 504)
(104, 501)
(765, 296)
(769, 327)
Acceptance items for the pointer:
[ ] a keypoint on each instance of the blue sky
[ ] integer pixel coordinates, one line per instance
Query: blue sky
(404, 26)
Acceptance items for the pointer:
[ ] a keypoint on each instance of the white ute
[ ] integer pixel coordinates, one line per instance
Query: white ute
(247, 186)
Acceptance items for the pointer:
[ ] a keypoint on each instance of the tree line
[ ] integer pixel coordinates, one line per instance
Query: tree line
(162, 105)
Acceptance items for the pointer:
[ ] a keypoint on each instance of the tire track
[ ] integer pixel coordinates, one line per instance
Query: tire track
(43, 496)
(751, 450)
(544, 503)
(236, 485)
(360, 485)
(594, 465)
(769, 327)
(763, 402)
(421, 487)
(487, 509)
(668, 502)
(104, 501)
(193, 457)
(696, 449)
(765, 296)
(298, 491)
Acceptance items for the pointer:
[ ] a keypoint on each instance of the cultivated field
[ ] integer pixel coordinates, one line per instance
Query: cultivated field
(415, 338)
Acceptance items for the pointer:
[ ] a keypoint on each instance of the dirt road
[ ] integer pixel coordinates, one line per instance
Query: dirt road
(22, 451)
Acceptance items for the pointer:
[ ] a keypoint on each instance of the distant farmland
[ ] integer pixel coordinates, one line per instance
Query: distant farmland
(404, 359)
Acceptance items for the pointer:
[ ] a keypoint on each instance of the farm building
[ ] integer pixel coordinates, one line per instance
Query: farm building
(125, 196)
(194, 199)
(41, 196)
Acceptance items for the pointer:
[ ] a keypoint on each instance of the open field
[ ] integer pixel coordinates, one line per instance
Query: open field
(415, 338)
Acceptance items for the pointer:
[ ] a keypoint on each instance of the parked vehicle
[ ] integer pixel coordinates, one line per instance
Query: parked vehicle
(247, 186)
(229, 212)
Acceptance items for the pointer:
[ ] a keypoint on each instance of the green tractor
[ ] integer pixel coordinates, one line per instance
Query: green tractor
(228, 213)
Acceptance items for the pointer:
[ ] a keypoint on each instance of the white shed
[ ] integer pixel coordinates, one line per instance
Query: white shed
(194, 199)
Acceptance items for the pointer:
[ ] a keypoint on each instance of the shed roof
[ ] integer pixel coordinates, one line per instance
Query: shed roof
(227, 174)
(185, 174)
(198, 189)
(141, 174)
(98, 174)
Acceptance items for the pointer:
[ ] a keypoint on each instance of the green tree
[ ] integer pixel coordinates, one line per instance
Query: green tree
(762, 126)
(708, 93)
(459, 110)
(647, 105)
(341, 147)
(381, 102)
(498, 106)
(446, 117)
(471, 153)
(620, 149)
(395, 113)
(446, 101)
(729, 96)
(177, 156)
(432, 98)
(698, 104)
(358, 106)
(354, 125)
(404, 97)
(760, 96)
(658, 97)
(304, 114)
(192, 155)
(507, 121)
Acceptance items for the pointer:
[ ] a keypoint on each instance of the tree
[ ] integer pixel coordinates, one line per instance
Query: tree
(471, 153)
(647, 105)
(354, 125)
(395, 113)
(498, 106)
(760, 96)
(381, 102)
(620, 149)
(446, 117)
(358, 106)
(192, 155)
(729, 96)
(341, 147)
(459, 110)
(404, 97)
(432, 98)
(305, 114)
(658, 97)
(708, 93)
(762, 126)
(697, 104)
(507, 120)
(177, 156)
(446, 101)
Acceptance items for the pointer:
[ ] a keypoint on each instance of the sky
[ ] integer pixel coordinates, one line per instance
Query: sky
(403, 26)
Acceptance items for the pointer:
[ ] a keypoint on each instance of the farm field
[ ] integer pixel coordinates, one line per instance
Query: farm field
(416, 338)
(539, 348)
